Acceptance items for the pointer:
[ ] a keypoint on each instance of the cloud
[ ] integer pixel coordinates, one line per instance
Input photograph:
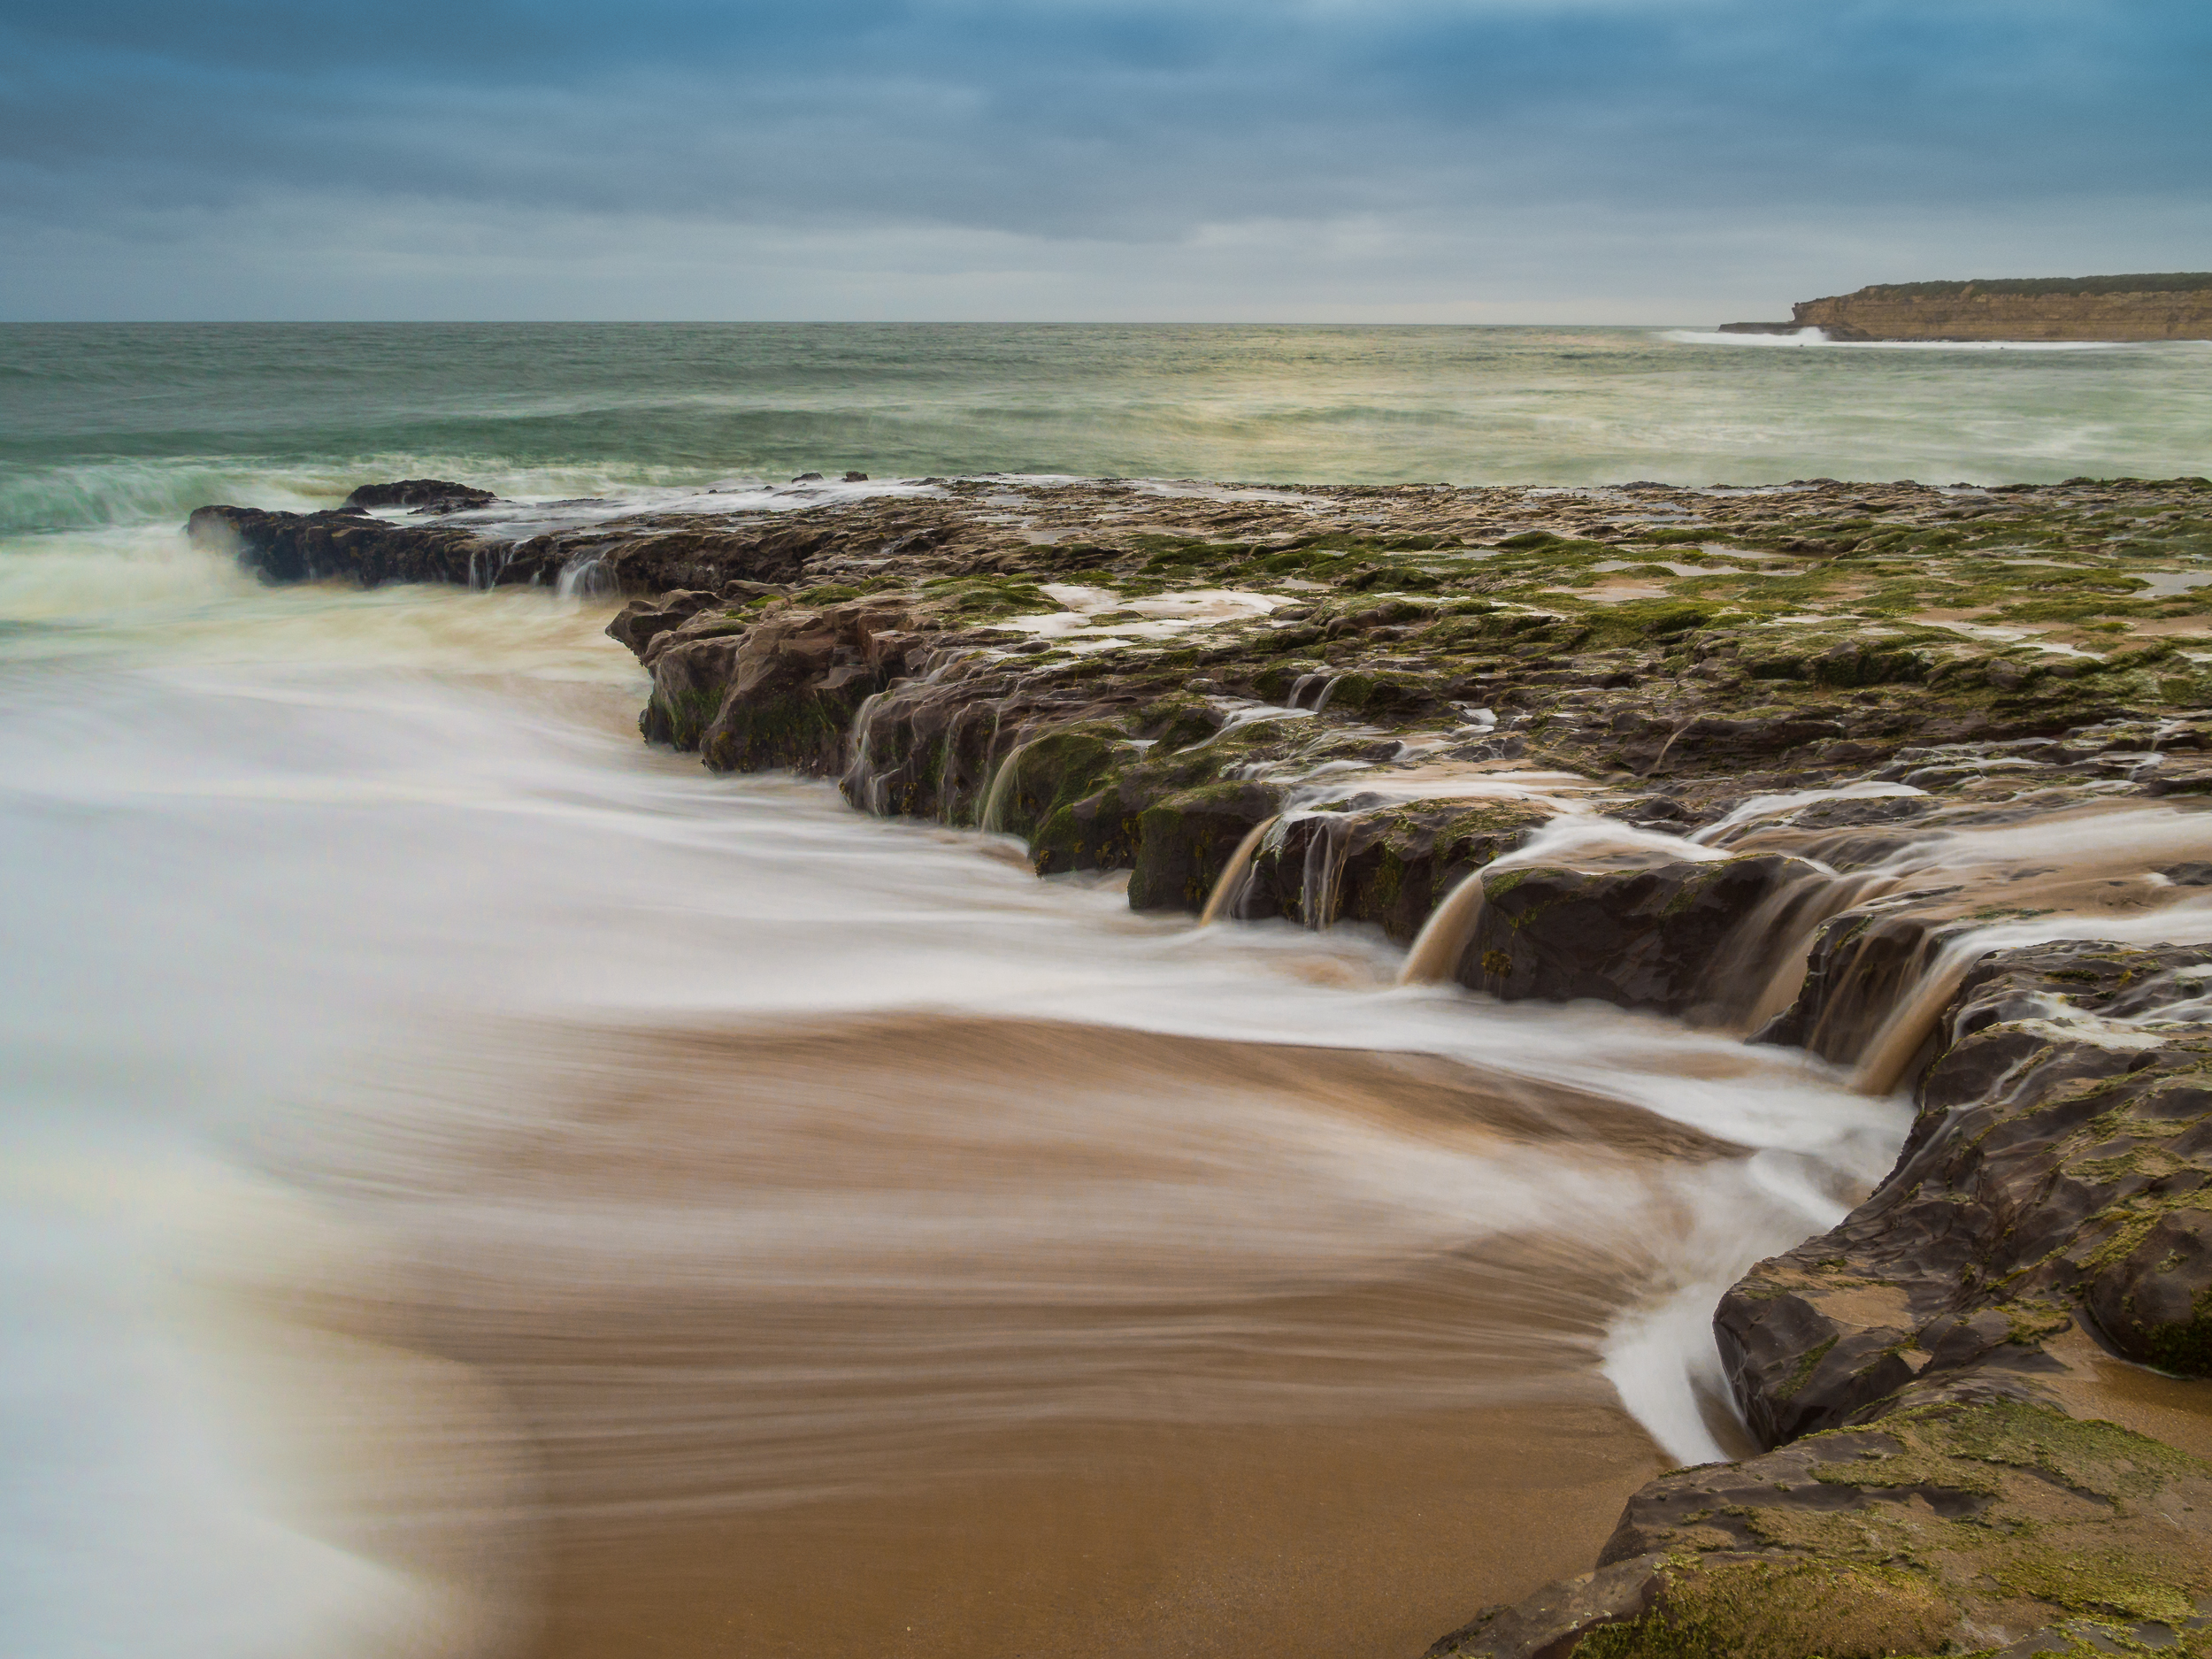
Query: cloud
(1528, 138)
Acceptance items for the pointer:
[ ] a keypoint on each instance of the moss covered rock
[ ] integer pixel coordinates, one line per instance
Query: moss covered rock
(1954, 1528)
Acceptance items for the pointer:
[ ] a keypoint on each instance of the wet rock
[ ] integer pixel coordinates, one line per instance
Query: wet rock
(795, 680)
(1036, 790)
(1960, 1527)
(1646, 939)
(1850, 813)
(1556, 1619)
(713, 620)
(740, 592)
(1390, 865)
(1184, 840)
(1848, 663)
(641, 621)
(289, 547)
(438, 493)
(655, 558)
(690, 685)
(646, 555)
(2179, 780)
(2058, 1170)
(1705, 740)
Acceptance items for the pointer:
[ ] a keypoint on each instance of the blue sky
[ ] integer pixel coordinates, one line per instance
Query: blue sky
(1383, 160)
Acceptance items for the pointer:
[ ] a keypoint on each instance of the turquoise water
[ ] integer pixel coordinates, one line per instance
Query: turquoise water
(109, 424)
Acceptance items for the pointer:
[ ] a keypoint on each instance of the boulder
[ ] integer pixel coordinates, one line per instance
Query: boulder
(1662, 939)
(1186, 840)
(436, 494)
(641, 621)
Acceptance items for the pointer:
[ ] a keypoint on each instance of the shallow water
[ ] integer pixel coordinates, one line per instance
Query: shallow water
(478, 1186)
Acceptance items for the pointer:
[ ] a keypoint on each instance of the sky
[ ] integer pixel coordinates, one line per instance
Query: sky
(1631, 161)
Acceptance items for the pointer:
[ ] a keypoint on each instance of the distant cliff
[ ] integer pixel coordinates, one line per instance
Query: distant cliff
(2175, 305)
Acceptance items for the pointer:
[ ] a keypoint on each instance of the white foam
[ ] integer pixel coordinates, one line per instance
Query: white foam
(1810, 338)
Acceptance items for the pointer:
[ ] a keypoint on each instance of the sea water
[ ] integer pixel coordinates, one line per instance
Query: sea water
(476, 1185)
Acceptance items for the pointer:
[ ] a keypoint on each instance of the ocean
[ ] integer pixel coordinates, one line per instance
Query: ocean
(478, 1186)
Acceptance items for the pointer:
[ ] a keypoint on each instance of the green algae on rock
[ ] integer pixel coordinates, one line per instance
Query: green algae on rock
(1958, 1527)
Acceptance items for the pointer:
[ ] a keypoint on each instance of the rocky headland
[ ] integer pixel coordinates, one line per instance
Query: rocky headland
(2169, 305)
(1914, 778)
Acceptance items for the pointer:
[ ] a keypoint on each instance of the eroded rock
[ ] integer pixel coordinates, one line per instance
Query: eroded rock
(2059, 1168)
(1664, 939)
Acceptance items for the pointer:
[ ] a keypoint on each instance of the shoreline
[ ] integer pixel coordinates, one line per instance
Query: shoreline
(1793, 761)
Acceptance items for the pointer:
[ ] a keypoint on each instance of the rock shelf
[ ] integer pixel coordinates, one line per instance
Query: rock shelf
(1912, 776)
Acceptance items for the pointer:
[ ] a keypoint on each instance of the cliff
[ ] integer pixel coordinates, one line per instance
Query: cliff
(2171, 306)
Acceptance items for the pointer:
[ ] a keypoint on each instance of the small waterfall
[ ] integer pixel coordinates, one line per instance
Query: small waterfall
(1898, 1039)
(1759, 808)
(1327, 691)
(1444, 938)
(1667, 747)
(1887, 1059)
(992, 818)
(860, 783)
(1250, 714)
(1781, 932)
(586, 576)
(1236, 875)
(488, 566)
(1326, 852)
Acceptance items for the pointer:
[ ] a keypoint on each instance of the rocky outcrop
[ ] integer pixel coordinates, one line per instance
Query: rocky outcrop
(425, 495)
(2059, 1171)
(645, 554)
(1669, 938)
(1390, 865)
(2164, 307)
(292, 547)
(1373, 695)
(1930, 1492)
(1963, 1527)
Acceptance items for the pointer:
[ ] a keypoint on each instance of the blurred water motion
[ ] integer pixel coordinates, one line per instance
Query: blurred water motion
(482, 1186)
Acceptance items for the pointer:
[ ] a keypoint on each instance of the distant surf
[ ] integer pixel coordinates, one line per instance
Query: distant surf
(1804, 337)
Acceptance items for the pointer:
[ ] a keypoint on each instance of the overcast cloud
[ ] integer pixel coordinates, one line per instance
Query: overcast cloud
(1623, 160)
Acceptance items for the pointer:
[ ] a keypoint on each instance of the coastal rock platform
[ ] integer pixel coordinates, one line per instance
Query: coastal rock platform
(1913, 777)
